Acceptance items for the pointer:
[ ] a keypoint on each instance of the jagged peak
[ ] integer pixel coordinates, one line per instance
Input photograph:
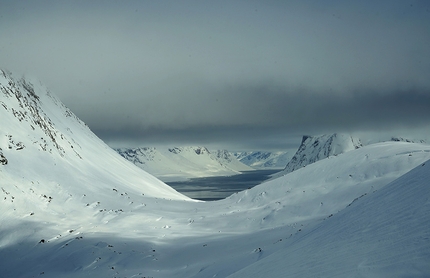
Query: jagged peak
(304, 138)
(201, 150)
(314, 148)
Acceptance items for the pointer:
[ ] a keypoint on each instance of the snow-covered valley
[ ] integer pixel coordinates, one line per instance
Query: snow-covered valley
(73, 207)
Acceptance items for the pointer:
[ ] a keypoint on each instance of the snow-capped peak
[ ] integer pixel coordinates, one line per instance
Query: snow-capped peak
(314, 148)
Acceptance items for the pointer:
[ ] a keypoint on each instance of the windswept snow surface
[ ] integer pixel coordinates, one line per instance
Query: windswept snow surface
(180, 163)
(382, 234)
(72, 207)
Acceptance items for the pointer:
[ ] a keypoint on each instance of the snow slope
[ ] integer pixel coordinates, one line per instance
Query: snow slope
(264, 160)
(72, 207)
(178, 163)
(38, 132)
(383, 234)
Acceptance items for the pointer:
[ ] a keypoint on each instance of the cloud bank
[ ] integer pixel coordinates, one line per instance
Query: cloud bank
(234, 73)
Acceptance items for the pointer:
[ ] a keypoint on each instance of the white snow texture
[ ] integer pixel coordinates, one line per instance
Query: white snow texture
(73, 207)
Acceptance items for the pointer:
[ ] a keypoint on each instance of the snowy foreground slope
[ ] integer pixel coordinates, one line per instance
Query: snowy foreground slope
(179, 163)
(382, 234)
(72, 207)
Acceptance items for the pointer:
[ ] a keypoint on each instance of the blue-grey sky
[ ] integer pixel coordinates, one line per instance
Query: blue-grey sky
(232, 74)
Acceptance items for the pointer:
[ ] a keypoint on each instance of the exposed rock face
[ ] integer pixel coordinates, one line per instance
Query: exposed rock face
(201, 150)
(401, 139)
(3, 160)
(314, 148)
(20, 101)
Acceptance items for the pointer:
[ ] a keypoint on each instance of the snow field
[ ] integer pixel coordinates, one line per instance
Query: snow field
(73, 207)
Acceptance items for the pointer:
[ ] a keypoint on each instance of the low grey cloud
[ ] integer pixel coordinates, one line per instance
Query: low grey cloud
(240, 74)
(264, 112)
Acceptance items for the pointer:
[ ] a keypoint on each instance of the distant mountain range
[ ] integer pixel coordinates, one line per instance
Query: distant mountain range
(265, 160)
(178, 163)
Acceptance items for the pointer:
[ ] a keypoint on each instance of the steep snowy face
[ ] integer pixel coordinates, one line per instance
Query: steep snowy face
(36, 113)
(43, 143)
(180, 163)
(314, 148)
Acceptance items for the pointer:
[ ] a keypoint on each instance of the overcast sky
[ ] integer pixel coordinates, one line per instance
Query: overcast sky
(227, 74)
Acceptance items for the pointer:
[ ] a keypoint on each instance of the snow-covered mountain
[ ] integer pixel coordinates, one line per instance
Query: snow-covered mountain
(38, 133)
(264, 160)
(314, 148)
(72, 207)
(178, 163)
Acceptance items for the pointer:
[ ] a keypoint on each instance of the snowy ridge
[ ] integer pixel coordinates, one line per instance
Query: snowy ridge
(264, 160)
(314, 148)
(72, 207)
(177, 163)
